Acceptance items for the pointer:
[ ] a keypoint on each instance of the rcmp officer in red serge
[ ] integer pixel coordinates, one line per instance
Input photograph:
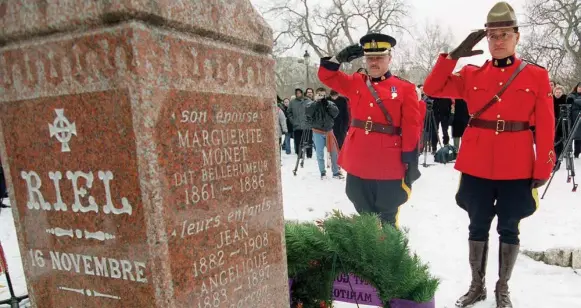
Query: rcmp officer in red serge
(379, 153)
(498, 159)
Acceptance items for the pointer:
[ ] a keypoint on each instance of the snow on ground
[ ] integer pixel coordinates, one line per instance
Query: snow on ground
(437, 230)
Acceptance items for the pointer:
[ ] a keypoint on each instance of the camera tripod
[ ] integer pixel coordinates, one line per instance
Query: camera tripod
(304, 144)
(429, 129)
(567, 141)
(13, 301)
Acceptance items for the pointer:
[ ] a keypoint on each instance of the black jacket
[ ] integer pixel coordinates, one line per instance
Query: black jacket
(461, 118)
(442, 108)
(575, 100)
(342, 120)
(321, 114)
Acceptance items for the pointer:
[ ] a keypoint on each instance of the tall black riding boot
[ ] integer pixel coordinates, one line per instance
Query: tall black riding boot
(477, 292)
(506, 258)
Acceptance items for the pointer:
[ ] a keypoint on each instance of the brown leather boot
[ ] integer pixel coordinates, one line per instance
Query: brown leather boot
(477, 291)
(506, 258)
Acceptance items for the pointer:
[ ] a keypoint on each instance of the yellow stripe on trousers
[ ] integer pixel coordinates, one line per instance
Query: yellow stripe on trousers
(408, 192)
(535, 193)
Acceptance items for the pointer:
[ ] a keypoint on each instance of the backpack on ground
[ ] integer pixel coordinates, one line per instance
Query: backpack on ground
(446, 154)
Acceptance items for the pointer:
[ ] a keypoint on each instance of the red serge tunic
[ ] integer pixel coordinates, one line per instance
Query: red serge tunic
(376, 155)
(506, 155)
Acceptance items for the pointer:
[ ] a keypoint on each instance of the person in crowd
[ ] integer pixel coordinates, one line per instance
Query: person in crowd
(502, 167)
(423, 110)
(459, 121)
(310, 94)
(298, 119)
(321, 116)
(286, 146)
(380, 151)
(281, 126)
(442, 111)
(559, 99)
(574, 99)
(341, 125)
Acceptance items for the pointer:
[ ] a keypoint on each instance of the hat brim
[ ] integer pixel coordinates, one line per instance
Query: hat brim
(376, 53)
(508, 27)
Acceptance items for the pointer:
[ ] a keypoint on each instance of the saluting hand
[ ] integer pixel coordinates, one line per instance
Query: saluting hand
(465, 48)
(350, 53)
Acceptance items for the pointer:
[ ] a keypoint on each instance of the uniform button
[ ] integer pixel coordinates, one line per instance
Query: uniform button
(502, 69)
(496, 133)
(500, 83)
(396, 143)
(498, 116)
(357, 91)
(526, 90)
(475, 88)
(370, 104)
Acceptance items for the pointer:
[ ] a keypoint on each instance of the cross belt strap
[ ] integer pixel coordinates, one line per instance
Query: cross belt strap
(499, 125)
(369, 126)
(496, 97)
(379, 102)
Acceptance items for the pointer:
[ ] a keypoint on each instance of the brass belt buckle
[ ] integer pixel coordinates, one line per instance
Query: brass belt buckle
(499, 127)
(368, 126)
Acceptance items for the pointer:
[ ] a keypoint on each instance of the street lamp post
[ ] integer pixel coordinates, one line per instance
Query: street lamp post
(307, 56)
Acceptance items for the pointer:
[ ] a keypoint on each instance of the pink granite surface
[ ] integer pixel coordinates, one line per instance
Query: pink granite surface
(230, 19)
(182, 129)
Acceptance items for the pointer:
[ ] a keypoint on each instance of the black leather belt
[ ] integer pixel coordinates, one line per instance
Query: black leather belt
(499, 125)
(369, 126)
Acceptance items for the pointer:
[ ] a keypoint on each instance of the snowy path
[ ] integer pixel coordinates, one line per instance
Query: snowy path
(438, 232)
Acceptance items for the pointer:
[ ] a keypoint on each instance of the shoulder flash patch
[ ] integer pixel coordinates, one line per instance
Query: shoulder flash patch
(404, 80)
(535, 64)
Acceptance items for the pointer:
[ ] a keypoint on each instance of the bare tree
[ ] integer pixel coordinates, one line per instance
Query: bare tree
(327, 29)
(555, 39)
(430, 41)
(291, 73)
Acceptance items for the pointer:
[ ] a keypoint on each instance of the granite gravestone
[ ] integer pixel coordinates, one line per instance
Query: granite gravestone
(137, 138)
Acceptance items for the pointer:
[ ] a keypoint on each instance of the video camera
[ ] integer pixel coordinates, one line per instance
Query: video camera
(429, 103)
(564, 110)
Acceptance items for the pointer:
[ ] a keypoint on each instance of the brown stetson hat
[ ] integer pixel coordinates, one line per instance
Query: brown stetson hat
(501, 15)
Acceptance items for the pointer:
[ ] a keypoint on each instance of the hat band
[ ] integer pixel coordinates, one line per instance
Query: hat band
(501, 24)
(377, 45)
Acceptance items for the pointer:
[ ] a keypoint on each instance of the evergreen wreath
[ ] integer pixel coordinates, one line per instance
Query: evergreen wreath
(358, 244)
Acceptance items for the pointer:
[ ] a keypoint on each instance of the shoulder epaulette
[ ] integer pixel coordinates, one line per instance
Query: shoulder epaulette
(404, 80)
(535, 64)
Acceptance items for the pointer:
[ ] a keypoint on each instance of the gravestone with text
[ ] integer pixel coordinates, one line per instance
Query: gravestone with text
(138, 141)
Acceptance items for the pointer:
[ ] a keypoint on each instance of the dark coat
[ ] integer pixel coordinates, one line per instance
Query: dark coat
(442, 108)
(342, 120)
(321, 114)
(461, 118)
(289, 125)
(575, 100)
